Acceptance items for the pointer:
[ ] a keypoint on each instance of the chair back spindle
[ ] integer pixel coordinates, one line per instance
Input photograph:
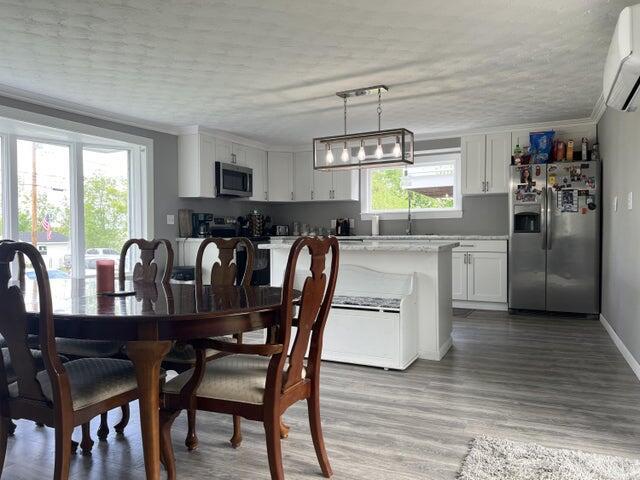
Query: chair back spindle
(225, 270)
(14, 327)
(313, 309)
(146, 270)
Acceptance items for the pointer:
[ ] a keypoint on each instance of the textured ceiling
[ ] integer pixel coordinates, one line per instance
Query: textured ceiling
(268, 69)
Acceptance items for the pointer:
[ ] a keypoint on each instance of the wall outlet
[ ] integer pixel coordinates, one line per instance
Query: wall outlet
(171, 219)
(630, 201)
(615, 204)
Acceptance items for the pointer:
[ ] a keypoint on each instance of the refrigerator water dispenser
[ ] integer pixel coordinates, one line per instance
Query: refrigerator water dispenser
(526, 221)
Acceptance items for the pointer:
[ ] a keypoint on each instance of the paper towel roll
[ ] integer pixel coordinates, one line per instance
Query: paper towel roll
(375, 225)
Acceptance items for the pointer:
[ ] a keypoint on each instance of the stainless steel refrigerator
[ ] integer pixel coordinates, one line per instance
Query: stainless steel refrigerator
(554, 244)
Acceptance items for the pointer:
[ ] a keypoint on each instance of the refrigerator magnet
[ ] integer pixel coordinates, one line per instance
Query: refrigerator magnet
(568, 201)
(583, 210)
(552, 179)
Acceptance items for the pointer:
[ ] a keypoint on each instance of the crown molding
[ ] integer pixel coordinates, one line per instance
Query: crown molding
(599, 108)
(71, 107)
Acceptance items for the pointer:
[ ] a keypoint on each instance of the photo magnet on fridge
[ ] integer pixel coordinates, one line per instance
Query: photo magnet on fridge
(568, 201)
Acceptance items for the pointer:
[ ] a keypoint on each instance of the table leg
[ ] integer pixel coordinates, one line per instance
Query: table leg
(147, 357)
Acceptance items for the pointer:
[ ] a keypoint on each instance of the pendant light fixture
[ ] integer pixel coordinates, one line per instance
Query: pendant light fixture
(398, 142)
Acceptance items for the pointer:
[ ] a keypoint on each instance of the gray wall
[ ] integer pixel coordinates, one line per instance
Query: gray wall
(486, 215)
(618, 134)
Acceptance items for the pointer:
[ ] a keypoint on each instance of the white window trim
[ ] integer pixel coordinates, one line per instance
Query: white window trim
(141, 174)
(368, 214)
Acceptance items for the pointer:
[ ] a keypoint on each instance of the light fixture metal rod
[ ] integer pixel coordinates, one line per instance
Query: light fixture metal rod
(379, 109)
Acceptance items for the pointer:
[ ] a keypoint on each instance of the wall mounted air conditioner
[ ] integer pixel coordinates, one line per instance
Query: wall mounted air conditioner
(621, 80)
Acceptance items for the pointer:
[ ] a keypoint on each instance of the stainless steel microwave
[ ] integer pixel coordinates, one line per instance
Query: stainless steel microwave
(233, 180)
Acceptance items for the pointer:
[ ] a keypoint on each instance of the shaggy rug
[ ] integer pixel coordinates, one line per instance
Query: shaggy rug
(499, 459)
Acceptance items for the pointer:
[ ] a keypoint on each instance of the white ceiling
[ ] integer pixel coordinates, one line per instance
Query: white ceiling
(268, 70)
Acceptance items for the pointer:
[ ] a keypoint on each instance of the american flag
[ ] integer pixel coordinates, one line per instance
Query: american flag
(47, 226)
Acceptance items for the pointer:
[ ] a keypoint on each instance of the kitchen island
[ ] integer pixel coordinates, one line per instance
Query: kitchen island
(427, 262)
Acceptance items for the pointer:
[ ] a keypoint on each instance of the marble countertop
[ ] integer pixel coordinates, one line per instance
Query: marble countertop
(375, 246)
(409, 238)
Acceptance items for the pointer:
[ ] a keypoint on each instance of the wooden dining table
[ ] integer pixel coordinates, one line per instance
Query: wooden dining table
(148, 322)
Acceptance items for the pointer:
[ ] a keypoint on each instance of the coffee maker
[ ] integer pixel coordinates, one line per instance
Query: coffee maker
(200, 223)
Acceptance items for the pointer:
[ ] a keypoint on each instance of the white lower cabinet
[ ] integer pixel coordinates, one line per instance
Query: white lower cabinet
(479, 275)
(459, 275)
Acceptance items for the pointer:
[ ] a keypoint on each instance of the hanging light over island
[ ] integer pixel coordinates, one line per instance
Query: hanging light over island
(378, 148)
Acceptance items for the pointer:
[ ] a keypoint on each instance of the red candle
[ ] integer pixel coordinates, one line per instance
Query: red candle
(105, 275)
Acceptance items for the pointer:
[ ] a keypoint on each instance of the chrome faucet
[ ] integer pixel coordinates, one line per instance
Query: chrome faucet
(409, 223)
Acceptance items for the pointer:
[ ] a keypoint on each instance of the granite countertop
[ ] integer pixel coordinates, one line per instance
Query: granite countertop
(409, 238)
(375, 246)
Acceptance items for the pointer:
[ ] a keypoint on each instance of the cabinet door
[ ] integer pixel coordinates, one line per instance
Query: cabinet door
(345, 185)
(207, 172)
(302, 176)
(498, 160)
(257, 160)
(487, 277)
(239, 154)
(473, 164)
(520, 137)
(280, 174)
(224, 151)
(322, 185)
(459, 276)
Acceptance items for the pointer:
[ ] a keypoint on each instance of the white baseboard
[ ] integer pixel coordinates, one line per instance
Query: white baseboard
(633, 363)
(480, 305)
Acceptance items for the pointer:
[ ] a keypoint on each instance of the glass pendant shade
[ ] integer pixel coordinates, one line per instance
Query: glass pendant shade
(361, 153)
(397, 150)
(329, 156)
(379, 151)
(385, 148)
(345, 153)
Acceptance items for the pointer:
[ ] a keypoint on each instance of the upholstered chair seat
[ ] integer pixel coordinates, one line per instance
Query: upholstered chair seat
(184, 353)
(234, 378)
(92, 380)
(37, 356)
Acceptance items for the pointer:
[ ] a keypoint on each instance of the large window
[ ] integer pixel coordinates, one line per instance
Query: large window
(106, 204)
(76, 196)
(430, 188)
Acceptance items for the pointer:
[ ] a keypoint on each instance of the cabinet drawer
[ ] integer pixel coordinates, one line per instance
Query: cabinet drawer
(499, 246)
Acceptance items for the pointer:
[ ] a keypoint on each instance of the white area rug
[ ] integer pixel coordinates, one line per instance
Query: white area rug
(499, 459)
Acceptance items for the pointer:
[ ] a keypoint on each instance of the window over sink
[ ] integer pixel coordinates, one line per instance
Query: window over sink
(430, 187)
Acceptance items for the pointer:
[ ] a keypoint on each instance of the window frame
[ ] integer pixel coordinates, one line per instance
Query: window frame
(77, 137)
(423, 213)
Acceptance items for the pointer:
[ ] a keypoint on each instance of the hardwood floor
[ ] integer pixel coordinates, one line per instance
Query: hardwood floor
(552, 380)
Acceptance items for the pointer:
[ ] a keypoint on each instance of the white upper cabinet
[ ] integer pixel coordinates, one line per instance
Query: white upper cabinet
(473, 164)
(345, 185)
(485, 163)
(257, 160)
(302, 176)
(280, 174)
(224, 151)
(196, 158)
(498, 160)
(322, 185)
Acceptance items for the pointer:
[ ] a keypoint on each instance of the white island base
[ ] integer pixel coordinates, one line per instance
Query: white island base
(429, 265)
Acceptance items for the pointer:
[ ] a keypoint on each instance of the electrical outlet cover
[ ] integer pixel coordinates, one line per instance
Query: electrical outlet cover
(630, 201)
(171, 219)
(615, 204)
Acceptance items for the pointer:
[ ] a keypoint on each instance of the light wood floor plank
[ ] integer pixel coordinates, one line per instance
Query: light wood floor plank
(554, 380)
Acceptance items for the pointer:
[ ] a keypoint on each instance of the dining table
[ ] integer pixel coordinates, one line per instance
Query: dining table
(148, 319)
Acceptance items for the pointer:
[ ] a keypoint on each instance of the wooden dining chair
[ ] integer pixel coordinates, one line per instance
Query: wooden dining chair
(60, 396)
(223, 271)
(146, 270)
(261, 381)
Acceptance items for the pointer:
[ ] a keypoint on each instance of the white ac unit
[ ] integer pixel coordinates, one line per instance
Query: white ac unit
(621, 80)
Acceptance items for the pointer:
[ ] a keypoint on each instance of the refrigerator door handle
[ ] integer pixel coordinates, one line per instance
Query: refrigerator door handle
(544, 211)
(549, 231)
